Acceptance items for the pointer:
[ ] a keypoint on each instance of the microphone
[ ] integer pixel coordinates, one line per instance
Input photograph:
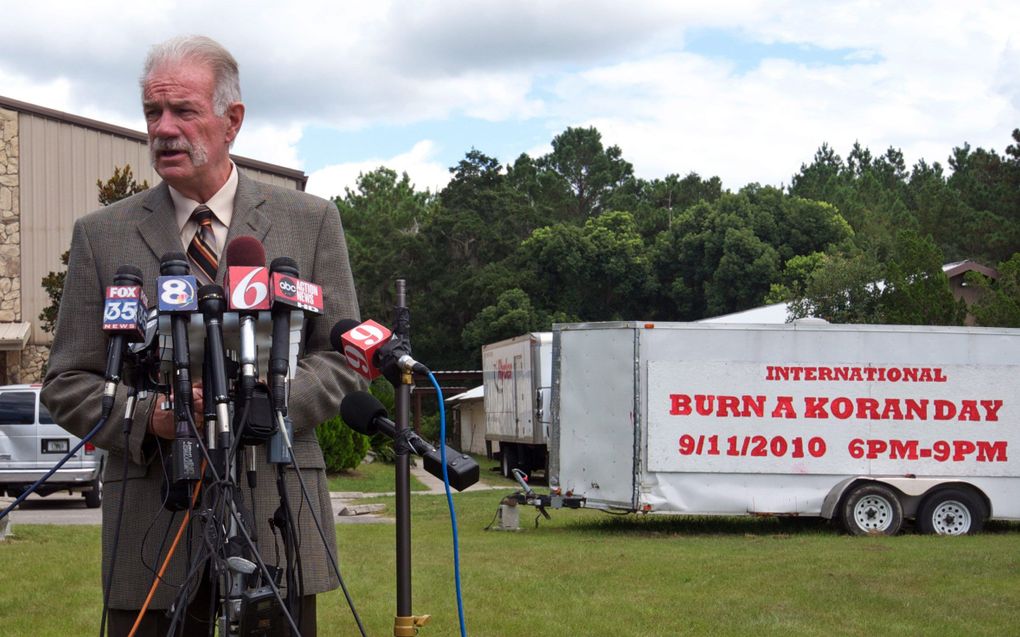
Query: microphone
(373, 350)
(279, 352)
(176, 289)
(212, 303)
(359, 343)
(366, 415)
(288, 289)
(248, 292)
(123, 317)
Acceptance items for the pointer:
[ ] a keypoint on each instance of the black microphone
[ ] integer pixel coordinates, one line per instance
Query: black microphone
(365, 414)
(279, 351)
(177, 294)
(212, 303)
(122, 318)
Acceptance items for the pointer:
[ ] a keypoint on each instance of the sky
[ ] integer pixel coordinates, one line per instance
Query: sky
(744, 90)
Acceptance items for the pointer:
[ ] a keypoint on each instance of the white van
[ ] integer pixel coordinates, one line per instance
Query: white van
(31, 443)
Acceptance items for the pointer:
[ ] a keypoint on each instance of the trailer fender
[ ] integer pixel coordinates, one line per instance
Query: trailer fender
(912, 491)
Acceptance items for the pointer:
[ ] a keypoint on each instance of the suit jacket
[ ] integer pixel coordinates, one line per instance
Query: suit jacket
(138, 231)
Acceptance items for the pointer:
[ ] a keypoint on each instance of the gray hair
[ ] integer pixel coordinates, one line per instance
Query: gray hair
(199, 48)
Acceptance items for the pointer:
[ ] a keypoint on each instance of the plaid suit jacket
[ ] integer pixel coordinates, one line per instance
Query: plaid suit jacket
(138, 231)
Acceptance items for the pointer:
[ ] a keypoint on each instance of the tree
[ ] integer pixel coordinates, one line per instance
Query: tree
(601, 271)
(382, 218)
(512, 314)
(911, 289)
(916, 290)
(121, 185)
(589, 170)
(842, 289)
(999, 305)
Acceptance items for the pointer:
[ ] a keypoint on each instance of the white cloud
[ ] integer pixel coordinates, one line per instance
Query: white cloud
(419, 163)
(919, 76)
(270, 143)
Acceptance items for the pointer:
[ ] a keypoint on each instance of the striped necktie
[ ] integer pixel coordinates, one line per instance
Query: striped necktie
(202, 249)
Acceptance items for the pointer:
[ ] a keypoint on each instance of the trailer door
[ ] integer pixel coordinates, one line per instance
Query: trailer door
(595, 414)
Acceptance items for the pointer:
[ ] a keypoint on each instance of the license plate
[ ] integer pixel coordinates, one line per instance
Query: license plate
(55, 445)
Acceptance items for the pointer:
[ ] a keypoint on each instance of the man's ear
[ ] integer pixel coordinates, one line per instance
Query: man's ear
(234, 115)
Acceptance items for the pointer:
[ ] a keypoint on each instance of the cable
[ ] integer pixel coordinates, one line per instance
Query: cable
(166, 560)
(449, 502)
(128, 420)
(318, 526)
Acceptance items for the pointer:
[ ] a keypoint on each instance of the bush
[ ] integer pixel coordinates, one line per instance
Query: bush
(342, 447)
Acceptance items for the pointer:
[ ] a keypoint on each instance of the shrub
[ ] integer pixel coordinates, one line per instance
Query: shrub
(342, 447)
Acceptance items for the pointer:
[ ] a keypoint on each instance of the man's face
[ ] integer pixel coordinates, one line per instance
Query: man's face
(188, 142)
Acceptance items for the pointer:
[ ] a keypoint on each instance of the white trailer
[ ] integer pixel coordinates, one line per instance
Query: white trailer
(517, 377)
(868, 424)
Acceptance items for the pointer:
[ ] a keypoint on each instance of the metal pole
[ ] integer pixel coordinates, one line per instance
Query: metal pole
(402, 401)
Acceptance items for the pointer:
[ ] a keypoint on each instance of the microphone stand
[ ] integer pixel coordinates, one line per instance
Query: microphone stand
(405, 624)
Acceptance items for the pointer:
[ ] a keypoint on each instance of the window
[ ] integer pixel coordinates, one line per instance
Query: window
(17, 408)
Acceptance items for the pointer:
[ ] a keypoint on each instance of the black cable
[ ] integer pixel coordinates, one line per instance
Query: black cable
(108, 586)
(318, 527)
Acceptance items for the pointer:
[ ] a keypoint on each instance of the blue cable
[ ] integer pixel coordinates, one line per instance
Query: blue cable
(449, 502)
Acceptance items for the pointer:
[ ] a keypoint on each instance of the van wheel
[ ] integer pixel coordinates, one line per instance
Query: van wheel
(952, 512)
(872, 509)
(94, 497)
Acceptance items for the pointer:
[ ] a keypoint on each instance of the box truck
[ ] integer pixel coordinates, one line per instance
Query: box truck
(872, 425)
(517, 381)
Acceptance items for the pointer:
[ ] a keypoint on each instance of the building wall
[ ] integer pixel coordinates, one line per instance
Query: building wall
(472, 426)
(63, 162)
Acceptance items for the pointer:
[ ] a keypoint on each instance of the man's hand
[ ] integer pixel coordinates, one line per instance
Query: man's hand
(163, 423)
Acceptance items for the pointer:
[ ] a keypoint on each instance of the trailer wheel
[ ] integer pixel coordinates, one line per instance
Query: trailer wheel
(872, 509)
(952, 512)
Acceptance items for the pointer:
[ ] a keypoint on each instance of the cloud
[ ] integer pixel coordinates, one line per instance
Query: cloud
(267, 142)
(920, 76)
(419, 163)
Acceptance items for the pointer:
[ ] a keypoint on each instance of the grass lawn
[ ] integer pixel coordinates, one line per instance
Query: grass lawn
(374, 477)
(378, 477)
(586, 573)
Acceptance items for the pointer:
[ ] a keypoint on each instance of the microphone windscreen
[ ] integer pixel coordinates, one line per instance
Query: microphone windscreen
(246, 251)
(359, 410)
(342, 327)
(285, 265)
(174, 264)
(128, 275)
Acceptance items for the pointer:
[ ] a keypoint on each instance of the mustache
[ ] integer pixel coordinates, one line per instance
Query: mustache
(172, 143)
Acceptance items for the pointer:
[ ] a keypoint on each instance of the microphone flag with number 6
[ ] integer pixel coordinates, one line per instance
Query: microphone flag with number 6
(247, 281)
(359, 343)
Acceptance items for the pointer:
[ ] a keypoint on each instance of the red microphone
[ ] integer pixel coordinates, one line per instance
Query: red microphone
(247, 292)
(359, 343)
(247, 279)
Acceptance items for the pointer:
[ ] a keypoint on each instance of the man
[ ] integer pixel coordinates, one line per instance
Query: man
(193, 110)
